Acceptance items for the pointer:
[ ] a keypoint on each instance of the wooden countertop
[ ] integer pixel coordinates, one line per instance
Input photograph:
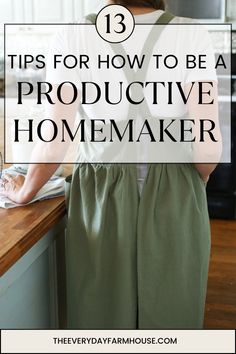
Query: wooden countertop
(221, 292)
(21, 228)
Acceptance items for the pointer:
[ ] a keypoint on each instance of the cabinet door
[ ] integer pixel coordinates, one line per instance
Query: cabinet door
(45, 11)
(6, 13)
(231, 10)
(11, 11)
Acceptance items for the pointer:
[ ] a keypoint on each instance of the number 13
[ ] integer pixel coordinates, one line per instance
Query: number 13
(123, 26)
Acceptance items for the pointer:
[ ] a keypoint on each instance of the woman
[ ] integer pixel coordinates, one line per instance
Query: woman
(138, 237)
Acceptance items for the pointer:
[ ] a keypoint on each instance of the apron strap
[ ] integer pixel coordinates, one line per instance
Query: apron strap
(165, 18)
(91, 18)
(149, 44)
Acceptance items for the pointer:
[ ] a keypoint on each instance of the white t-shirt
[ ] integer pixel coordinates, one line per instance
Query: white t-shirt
(178, 40)
(190, 38)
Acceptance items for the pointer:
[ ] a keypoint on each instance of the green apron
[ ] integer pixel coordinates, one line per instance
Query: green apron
(136, 261)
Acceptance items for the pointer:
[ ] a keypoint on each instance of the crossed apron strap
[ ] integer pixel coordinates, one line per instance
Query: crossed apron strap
(140, 75)
(149, 44)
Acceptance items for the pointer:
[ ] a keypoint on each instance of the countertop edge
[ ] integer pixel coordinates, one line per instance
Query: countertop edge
(31, 238)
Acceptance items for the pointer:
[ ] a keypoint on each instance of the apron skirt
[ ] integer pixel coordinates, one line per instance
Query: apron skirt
(136, 261)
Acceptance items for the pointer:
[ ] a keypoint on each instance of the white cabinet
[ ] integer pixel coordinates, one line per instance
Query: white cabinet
(11, 11)
(32, 291)
(231, 10)
(62, 10)
(6, 14)
(47, 11)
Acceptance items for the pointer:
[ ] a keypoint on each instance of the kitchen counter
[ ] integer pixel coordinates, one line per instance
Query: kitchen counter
(23, 227)
(221, 292)
(32, 265)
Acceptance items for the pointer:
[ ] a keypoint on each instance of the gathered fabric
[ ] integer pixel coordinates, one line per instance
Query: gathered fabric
(137, 261)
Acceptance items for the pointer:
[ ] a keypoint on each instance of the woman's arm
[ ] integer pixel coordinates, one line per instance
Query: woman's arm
(22, 190)
(206, 155)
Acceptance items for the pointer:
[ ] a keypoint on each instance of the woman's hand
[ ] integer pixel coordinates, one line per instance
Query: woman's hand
(12, 188)
(205, 170)
(205, 178)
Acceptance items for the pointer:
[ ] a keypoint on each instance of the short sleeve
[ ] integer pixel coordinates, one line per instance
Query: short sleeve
(201, 45)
